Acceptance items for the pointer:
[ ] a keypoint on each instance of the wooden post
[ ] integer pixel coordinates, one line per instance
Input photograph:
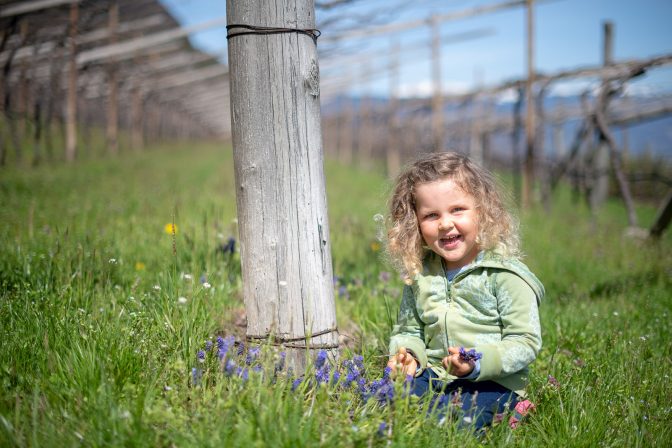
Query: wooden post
(137, 139)
(530, 126)
(71, 105)
(280, 184)
(600, 190)
(437, 98)
(663, 218)
(113, 97)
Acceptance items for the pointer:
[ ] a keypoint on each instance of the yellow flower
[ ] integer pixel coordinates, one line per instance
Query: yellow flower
(170, 228)
(139, 266)
(375, 246)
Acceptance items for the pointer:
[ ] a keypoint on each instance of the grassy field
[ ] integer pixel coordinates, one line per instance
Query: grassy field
(103, 312)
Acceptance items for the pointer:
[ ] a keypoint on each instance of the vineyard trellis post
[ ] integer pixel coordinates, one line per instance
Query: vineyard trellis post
(530, 126)
(280, 184)
(71, 100)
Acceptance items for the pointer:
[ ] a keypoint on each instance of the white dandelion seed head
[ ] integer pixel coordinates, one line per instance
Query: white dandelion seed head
(157, 288)
(207, 285)
(181, 300)
(113, 261)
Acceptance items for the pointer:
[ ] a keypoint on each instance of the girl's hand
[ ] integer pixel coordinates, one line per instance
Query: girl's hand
(402, 362)
(454, 365)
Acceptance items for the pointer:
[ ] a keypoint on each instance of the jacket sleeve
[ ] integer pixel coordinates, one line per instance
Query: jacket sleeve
(521, 330)
(409, 331)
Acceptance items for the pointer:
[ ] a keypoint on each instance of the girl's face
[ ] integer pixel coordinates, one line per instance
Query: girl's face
(448, 221)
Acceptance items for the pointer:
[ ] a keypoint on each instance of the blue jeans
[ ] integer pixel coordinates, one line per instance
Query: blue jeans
(474, 403)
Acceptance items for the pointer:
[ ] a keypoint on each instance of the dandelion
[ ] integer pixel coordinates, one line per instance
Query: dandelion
(170, 228)
(207, 285)
(375, 246)
(187, 277)
(181, 300)
(157, 288)
(113, 261)
(139, 266)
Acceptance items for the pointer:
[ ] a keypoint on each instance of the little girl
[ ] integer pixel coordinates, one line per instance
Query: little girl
(468, 325)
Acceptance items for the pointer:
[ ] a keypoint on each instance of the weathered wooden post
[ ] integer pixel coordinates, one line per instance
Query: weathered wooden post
(600, 190)
(437, 96)
(113, 97)
(71, 105)
(280, 188)
(530, 125)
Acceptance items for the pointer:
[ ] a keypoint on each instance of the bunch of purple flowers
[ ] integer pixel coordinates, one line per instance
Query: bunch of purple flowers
(469, 355)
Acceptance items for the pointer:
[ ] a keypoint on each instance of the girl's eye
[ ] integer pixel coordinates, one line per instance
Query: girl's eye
(458, 209)
(430, 215)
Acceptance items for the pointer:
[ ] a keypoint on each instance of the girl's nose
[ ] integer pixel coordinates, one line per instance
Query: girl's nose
(445, 224)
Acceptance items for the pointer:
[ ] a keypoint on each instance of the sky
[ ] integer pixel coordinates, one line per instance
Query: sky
(568, 35)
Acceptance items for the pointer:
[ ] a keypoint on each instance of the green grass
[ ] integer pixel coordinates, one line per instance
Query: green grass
(96, 349)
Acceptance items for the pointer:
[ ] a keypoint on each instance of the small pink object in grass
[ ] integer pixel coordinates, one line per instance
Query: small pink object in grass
(519, 412)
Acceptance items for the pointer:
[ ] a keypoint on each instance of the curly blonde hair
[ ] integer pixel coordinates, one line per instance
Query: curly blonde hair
(498, 229)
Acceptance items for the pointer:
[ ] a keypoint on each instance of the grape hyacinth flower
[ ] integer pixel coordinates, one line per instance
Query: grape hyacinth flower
(252, 355)
(470, 355)
(196, 376)
(296, 383)
(381, 429)
(280, 365)
(229, 367)
(208, 345)
(200, 356)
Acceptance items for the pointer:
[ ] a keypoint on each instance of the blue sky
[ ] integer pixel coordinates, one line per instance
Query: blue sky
(568, 32)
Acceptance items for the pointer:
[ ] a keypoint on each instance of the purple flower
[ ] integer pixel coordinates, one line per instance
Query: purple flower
(383, 390)
(343, 292)
(243, 373)
(335, 377)
(252, 355)
(296, 383)
(208, 345)
(229, 367)
(229, 247)
(381, 429)
(553, 382)
(469, 356)
(201, 356)
(196, 376)
(384, 276)
(321, 359)
(280, 365)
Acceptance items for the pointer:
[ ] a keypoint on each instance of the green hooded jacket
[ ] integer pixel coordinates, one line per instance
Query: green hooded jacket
(490, 305)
